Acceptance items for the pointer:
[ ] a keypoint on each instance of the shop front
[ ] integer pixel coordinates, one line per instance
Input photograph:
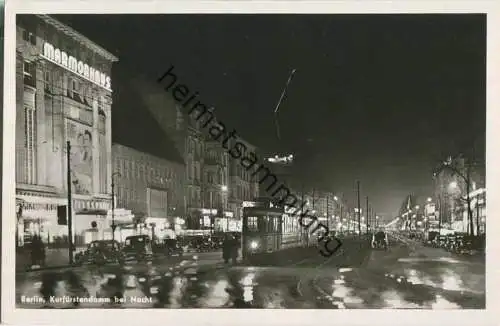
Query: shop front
(124, 224)
(37, 216)
(227, 223)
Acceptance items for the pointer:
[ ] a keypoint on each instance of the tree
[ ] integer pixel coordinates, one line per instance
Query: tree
(451, 165)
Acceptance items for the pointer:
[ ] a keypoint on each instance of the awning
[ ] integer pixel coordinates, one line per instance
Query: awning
(87, 211)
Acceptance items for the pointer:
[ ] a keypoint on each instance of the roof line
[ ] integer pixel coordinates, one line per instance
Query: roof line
(77, 36)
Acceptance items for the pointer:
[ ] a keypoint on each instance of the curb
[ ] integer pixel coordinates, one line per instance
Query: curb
(56, 267)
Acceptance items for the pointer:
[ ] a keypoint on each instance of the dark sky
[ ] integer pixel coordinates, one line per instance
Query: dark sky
(379, 98)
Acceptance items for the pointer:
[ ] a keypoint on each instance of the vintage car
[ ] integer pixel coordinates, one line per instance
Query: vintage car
(138, 248)
(100, 252)
(169, 247)
(380, 240)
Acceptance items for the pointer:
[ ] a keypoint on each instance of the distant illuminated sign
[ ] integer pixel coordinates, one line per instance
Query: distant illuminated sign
(70, 63)
(281, 159)
(249, 204)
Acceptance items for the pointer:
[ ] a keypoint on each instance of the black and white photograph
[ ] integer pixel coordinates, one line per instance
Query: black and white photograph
(249, 161)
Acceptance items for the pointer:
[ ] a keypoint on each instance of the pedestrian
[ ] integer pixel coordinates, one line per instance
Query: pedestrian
(37, 251)
(235, 245)
(228, 247)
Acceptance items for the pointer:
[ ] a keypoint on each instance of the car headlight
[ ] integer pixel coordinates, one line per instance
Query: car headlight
(254, 244)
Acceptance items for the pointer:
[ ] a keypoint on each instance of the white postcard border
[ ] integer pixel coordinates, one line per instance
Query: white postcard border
(236, 317)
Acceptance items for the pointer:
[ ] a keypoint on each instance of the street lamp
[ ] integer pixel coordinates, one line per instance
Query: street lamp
(429, 199)
(113, 226)
(466, 178)
(224, 190)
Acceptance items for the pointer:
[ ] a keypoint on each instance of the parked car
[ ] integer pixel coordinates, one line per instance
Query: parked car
(432, 237)
(138, 248)
(169, 247)
(100, 252)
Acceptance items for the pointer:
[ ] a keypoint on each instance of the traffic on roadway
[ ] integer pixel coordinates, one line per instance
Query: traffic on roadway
(402, 273)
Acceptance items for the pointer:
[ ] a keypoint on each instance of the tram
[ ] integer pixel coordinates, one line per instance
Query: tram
(262, 227)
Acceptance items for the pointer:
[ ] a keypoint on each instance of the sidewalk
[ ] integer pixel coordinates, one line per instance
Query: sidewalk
(420, 250)
(54, 257)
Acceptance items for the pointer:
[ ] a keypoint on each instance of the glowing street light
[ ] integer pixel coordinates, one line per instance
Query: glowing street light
(417, 207)
(429, 199)
(335, 198)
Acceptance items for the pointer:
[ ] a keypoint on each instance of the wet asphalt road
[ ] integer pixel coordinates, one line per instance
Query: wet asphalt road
(407, 276)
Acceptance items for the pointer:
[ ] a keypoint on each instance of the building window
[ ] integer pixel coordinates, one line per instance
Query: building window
(47, 81)
(252, 224)
(29, 73)
(29, 37)
(29, 129)
(75, 89)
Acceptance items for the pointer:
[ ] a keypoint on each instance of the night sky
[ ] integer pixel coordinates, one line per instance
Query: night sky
(379, 98)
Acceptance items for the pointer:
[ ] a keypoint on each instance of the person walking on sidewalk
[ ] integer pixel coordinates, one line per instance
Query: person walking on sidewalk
(230, 248)
(37, 251)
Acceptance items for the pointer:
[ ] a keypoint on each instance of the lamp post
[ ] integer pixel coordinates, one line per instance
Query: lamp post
(70, 200)
(113, 225)
(224, 192)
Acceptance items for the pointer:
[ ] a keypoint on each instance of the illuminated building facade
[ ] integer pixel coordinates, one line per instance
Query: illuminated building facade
(152, 188)
(242, 185)
(63, 93)
(216, 185)
(450, 191)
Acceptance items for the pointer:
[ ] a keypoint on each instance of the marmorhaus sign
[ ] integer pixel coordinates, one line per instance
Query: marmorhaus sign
(78, 67)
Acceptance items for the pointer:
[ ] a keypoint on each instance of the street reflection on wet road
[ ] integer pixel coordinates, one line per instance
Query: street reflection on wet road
(386, 281)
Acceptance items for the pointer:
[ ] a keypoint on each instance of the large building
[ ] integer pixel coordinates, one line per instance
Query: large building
(63, 93)
(148, 170)
(188, 138)
(216, 190)
(243, 186)
(151, 187)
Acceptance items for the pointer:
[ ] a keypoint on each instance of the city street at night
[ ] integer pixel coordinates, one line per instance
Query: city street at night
(408, 275)
(283, 161)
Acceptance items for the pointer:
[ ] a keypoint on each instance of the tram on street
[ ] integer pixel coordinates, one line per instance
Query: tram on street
(262, 227)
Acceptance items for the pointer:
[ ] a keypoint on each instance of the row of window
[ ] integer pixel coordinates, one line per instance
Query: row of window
(29, 144)
(75, 88)
(267, 224)
(243, 193)
(241, 172)
(144, 171)
(216, 178)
